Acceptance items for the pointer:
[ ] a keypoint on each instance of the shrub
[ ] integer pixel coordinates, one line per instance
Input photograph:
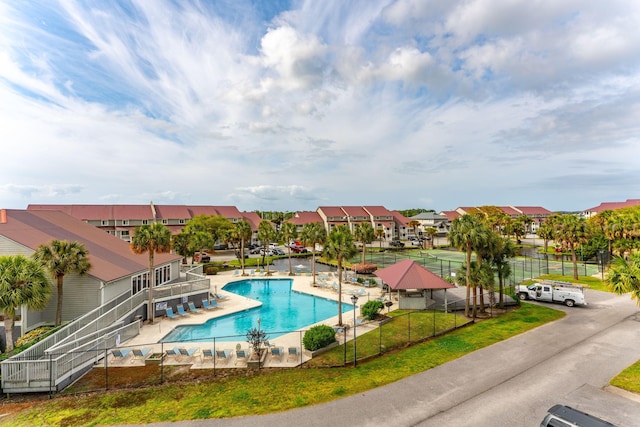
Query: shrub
(364, 268)
(211, 270)
(318, 336)
(370, 309)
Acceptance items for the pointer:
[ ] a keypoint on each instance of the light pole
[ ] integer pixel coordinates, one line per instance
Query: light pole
(354, 300)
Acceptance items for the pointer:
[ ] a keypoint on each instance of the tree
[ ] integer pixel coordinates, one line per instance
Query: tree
(380, 235)
(364, 234)
(62, 257)
(340, 246)
(546, 232)
(312, 234)
(266, 234)
(242, 232)
(624, 276)
(151, 238)
(571, 231)
(431, 233)
(217, 226)
(413, 224)
(289, 232)
(467, 233)
(180, 244)
(503, 250)
(23, 281)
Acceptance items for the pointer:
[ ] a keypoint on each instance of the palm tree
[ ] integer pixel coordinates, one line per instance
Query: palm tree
(380, 235)
(151, 238)
(242, 233)
(467, 233)
(503, 250)
(289, 232)
(413, 224)
(266, 234)
(313, 234)
(62, 257)
(624, 276)
(340, 246)
(23, 281)
(364, 234)
(431, 233)
(571, 231)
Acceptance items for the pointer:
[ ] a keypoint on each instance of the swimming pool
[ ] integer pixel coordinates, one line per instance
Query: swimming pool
(283, 310)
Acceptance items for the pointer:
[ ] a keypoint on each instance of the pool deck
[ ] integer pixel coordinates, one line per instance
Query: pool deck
(151, 334)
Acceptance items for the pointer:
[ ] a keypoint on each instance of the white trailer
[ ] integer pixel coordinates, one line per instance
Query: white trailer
(552, 291)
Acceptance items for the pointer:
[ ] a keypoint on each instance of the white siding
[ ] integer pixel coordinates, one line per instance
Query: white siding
(80, 295)
(9, 247)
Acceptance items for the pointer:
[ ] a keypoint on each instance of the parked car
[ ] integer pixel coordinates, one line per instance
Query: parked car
(255, 250)
(273, 245)
(220, 246)
(299, 250)
(204, 258)
(396, 244)
(416, 242)
(278, 251)
(269, 252)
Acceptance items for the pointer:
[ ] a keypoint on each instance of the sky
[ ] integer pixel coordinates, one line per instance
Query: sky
(290, 105)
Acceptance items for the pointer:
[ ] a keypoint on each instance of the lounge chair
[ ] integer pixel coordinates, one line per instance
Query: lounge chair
(172, 352)
(184, 353)
(170, 314)
(241, 356)
(119, 354)
(276, 353)
(139, 354)
(292, 355)
(192, 307)
(223, 356)
(207, 354)
(220, 297)
(181, 311)
(210, 305)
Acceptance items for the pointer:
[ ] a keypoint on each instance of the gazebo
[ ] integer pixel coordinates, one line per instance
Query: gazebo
(412, 281)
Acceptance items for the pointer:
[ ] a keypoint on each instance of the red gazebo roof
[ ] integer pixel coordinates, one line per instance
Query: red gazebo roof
(408, 274)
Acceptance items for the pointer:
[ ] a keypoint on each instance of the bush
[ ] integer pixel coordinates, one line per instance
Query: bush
(210, 270)
(318, 336)
(370, 309)
(364, 268)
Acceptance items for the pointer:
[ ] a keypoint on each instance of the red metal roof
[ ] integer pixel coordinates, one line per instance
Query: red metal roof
(614, 205)
(332, 211)
(111, 258)
(408, 274)
(355, 211)
(253, 218)
(305, 217)
(400, 218)
(510, 211)
(533, 210)
(378, 211)
(172, 212)
(451, 215)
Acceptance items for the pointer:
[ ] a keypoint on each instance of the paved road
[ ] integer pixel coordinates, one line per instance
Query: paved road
(511, 383)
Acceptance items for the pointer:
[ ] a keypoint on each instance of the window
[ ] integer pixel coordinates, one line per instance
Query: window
(145, 222)
(165, 221)
(141, 281)
(125, 222)
(124, 233)
(181, 221)
(104, 222)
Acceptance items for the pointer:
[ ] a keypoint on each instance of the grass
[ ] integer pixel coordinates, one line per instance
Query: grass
(629, 379)
(590, 281)
(259, 392)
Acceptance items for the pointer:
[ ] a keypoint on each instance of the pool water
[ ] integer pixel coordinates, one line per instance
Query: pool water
(283, 310)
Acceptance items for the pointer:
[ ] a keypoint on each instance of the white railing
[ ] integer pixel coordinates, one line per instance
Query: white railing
(83, 341)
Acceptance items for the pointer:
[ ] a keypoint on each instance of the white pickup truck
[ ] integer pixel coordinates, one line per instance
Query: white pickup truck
(550, 291)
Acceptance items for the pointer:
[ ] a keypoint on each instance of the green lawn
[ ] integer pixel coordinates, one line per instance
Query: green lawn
(260, 392)
(629, 379)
